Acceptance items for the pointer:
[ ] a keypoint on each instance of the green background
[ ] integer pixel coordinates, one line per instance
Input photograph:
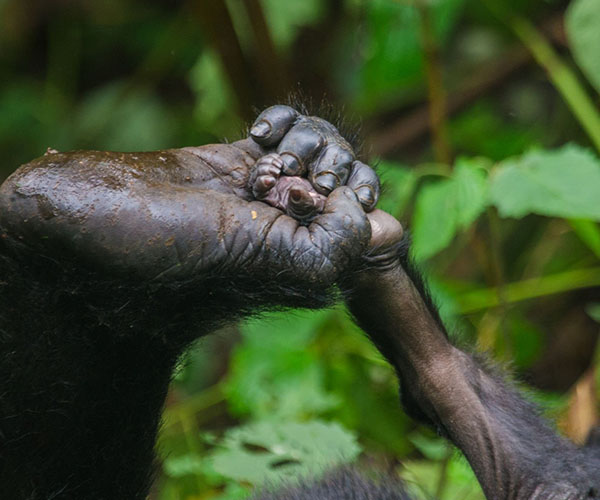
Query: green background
(502, 196)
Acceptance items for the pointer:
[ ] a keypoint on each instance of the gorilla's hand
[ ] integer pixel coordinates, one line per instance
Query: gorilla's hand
(312, 160)
(184, 214)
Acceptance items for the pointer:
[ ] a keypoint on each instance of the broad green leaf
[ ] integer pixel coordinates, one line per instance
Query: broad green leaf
(470, 181)
(447, 206)
(582, 23)
(272, 451)
(560, 183)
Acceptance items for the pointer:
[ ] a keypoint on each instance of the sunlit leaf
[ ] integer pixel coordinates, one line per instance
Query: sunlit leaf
(560, 183)
(582, 22)
(273, 451)
(447, 206)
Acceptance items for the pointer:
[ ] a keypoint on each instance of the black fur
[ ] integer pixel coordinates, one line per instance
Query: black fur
(351, 130)
(87, 357)
(85, 365)
(341, 484)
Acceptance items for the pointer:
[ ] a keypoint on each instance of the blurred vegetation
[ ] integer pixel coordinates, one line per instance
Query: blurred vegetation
(484, 118)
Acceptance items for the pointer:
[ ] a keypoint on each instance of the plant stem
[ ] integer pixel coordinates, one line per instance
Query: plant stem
(529, 289)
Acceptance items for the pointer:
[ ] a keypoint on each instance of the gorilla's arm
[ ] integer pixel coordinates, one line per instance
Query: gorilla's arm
(513, 452)
(112, 263)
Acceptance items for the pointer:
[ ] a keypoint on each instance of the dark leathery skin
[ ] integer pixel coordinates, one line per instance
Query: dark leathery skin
(172, 214)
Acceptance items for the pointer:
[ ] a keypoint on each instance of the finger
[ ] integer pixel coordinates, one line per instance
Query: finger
(269, 165)
(340, 234)
(262, 186)
(301, 205)
(386, 231)
(365, 183)
(332, 169)
(302, 143)
(272, 124)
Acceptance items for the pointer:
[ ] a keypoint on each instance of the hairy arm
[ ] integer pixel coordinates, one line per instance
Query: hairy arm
(513, 452)
(112, 263)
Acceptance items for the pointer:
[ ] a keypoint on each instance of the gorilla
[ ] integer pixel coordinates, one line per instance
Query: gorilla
(111, 264)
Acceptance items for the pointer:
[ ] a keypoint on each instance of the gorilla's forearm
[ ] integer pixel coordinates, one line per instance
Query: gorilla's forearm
(512, 451)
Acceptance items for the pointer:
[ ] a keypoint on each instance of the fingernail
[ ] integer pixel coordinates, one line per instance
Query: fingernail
(260, 130)
(268, 182)
(327, 183)
(296, 195)
(291, 166)
(366, 196)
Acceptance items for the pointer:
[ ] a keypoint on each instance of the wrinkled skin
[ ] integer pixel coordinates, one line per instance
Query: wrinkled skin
(297, 196)
(179, 214)
(111, 264)
(514, 453)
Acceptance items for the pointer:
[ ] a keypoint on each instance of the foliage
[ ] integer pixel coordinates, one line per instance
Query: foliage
(582, 20)
(507, 231)
(560, 183)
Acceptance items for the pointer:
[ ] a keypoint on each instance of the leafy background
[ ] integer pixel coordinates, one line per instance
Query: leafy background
(484, 119)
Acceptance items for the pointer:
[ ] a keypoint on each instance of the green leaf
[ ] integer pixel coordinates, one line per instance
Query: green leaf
(215, 101)
(398, 186)
(560, 183)
(272, 451)
(582, 22)
(189, 464)
(447, 206)
(588, 232)
(274, 371)
(593, 310)
(119, 118)
(431, 448)
(423, 478)
(285, 19)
